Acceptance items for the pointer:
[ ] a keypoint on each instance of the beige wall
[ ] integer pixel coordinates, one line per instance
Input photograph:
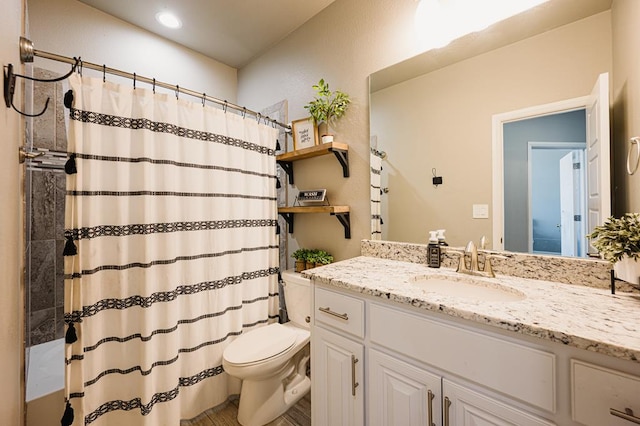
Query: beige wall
(11, 230)
(626, 101)
(343, 44)
(71, 28)
(443, 120)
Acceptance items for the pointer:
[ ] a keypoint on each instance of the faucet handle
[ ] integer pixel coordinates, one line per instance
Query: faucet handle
(483, 243)
(462, 266)
(488, 267)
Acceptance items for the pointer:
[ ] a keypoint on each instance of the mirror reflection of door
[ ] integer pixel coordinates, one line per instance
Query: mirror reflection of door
(557, 198)
(573, 120)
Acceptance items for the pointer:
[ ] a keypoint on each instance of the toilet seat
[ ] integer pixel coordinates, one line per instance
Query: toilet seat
(260, 344)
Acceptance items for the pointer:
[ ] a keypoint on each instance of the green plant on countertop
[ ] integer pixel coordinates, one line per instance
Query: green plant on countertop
(327, 106)
(323, 258)
(301, 254)
(618, 237)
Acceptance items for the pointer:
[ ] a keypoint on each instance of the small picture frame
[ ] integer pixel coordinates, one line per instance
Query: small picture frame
(305, 133)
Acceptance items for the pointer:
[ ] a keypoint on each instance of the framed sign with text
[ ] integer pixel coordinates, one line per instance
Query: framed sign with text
(305, 133)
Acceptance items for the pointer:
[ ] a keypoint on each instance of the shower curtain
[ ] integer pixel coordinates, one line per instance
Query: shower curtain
(375, 164)
(171, 251)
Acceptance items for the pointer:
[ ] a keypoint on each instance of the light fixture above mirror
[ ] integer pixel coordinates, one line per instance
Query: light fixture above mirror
(439, 22)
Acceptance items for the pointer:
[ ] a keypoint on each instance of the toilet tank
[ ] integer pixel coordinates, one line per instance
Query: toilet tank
(297, 297)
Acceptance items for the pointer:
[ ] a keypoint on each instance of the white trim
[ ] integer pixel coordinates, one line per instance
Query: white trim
(498, 121)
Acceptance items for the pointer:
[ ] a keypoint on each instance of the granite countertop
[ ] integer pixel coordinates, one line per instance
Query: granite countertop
(579, 316)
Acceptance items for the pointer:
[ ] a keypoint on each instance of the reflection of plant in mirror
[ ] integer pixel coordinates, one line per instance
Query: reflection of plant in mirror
(618, 237)
(327, 105)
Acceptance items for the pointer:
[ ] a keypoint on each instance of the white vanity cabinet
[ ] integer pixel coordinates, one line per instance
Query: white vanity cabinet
(337, 359)
(402, 394)
(602, 396)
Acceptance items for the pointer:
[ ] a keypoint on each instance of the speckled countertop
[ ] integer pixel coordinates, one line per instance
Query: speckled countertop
(579, 316)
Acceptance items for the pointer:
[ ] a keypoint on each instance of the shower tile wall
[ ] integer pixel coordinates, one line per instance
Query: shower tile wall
(45, 190)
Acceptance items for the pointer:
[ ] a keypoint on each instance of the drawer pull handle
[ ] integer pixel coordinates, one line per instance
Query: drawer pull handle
(446, 404)
(430, 397)
(627, 414)
(328, 310)
(354, 384)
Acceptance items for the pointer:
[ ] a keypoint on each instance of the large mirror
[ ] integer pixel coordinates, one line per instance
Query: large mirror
(503, 117)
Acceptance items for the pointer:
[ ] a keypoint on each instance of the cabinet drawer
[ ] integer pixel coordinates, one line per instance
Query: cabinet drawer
(339, 311)
(489, 361)
(596, 390)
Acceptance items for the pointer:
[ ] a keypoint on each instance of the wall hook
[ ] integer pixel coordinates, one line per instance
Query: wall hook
(10, 87)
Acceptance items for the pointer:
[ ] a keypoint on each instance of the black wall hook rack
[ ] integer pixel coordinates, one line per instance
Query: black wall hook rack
(10, 86)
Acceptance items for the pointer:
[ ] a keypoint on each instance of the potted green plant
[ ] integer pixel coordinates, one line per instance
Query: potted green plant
(327, 107)
(323, 258)
(300, 256)
(312, 257)
(618, 241)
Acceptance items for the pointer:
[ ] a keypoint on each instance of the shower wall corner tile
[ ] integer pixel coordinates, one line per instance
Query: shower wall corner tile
(42, 205)
(60, 131)
(43, 325)
(42, 277)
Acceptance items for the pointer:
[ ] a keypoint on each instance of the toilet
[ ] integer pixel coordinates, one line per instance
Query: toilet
(272, 360)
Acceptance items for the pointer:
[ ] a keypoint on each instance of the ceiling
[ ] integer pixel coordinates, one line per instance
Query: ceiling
(230, 31)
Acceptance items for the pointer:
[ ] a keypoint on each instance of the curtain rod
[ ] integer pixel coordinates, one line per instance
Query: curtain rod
(27, 53)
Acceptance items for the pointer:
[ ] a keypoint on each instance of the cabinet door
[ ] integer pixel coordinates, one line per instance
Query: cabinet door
(465, 407)
(337, 380)
(401, 394)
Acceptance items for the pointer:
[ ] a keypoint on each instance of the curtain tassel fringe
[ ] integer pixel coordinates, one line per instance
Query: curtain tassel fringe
(70, 165)
(70, 248)
(67, 417)
(71, 335)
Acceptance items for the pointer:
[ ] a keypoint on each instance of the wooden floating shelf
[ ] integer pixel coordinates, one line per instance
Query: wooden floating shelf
(340, 150)
(340, 212)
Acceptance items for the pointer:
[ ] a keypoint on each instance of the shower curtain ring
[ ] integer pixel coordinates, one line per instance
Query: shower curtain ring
(224, 107)
(80, 67)
(154, 86)
(204, 98)
(244, 112)
(258, 117)
(134, 81)
(104, 73)
(177, 92)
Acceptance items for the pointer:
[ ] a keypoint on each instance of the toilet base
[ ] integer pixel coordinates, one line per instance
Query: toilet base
(262, 401)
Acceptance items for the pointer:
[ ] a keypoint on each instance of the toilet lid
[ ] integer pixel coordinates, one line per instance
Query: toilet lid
(260, 344)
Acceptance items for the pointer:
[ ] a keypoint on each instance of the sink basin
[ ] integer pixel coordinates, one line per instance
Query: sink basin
(467, 288)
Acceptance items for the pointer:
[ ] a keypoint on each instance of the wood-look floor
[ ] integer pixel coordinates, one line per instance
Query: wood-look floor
(226, 415)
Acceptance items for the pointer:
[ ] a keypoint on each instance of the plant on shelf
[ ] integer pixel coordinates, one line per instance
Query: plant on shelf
(618, 241)
(327, 107)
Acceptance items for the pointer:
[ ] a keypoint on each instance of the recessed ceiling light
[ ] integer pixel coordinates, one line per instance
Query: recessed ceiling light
(168, 19)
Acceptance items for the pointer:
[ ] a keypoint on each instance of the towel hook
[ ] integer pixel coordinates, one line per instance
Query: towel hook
(633, 141)
(10, 86)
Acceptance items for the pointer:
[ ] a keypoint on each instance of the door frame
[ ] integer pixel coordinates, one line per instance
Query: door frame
(498, 122)
(531, 145)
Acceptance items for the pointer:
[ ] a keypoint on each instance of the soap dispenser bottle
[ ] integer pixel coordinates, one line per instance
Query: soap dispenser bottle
(433, 250)
(441, 240)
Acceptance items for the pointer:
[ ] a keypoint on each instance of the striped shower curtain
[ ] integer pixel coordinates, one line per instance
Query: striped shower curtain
(171, 251)
(375, 164)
